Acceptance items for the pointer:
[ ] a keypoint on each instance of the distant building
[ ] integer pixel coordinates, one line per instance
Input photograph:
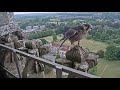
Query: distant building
(78, 20)
(116, 21)
(63, 51)
(54, 49)
(107, 27)
(100, 20)
(42, 27)
(28, 27)
(35, 27)
(98, 27)
(28, 30)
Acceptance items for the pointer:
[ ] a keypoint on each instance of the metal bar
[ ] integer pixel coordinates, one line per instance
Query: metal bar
(58, 72)
(8, 72)
(17, 64)
(52, 64)
(24, 73)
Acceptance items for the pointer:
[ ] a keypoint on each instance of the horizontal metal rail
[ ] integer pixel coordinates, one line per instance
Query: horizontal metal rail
(71, 71)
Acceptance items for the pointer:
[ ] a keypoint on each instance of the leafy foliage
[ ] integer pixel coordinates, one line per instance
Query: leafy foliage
(100, 53)
(109, 36)
(41, 34)
(54, 37)
(112, 53)
(93, 70)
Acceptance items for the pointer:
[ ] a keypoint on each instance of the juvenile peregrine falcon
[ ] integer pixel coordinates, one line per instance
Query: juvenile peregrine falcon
(76, 33)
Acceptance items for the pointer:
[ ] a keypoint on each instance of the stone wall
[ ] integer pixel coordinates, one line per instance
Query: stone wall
(7, 23)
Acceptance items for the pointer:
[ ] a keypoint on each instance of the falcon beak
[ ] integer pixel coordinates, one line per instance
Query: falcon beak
(91, 28)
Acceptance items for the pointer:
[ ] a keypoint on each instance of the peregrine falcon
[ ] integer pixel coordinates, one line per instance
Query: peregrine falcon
(76, 33)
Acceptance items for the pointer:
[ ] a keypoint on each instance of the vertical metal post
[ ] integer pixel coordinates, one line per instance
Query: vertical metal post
(58, 72)
(12, 57)
(17, 64)
(24, 73)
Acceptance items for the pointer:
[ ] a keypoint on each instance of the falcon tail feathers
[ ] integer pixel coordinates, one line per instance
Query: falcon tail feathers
(64, 41)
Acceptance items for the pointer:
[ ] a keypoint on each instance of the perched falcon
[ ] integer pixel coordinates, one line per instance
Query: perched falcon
(76, 33)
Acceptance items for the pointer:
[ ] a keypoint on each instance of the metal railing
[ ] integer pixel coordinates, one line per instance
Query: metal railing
(59, 68)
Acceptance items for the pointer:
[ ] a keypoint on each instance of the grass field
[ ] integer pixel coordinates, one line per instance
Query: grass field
(108, 69)
(105, 68)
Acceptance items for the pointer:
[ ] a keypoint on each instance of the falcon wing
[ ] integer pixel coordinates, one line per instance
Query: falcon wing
(70, 33)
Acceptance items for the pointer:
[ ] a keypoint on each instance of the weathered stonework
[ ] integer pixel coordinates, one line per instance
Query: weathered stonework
(7, 23)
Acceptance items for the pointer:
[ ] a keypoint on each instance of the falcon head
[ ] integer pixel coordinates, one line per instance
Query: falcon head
(87, 27)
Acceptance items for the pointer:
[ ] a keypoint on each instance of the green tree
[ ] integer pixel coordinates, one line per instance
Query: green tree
(102, 37)
(118, 53)
(33, 36)
(117, 41)
(41, 34)
(100, 53)
(110, 53)
(60, 29)
(23, 24)
(89, 37)
(54, 37)
(97, 35)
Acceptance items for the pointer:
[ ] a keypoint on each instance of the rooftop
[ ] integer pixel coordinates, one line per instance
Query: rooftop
(63, 48)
